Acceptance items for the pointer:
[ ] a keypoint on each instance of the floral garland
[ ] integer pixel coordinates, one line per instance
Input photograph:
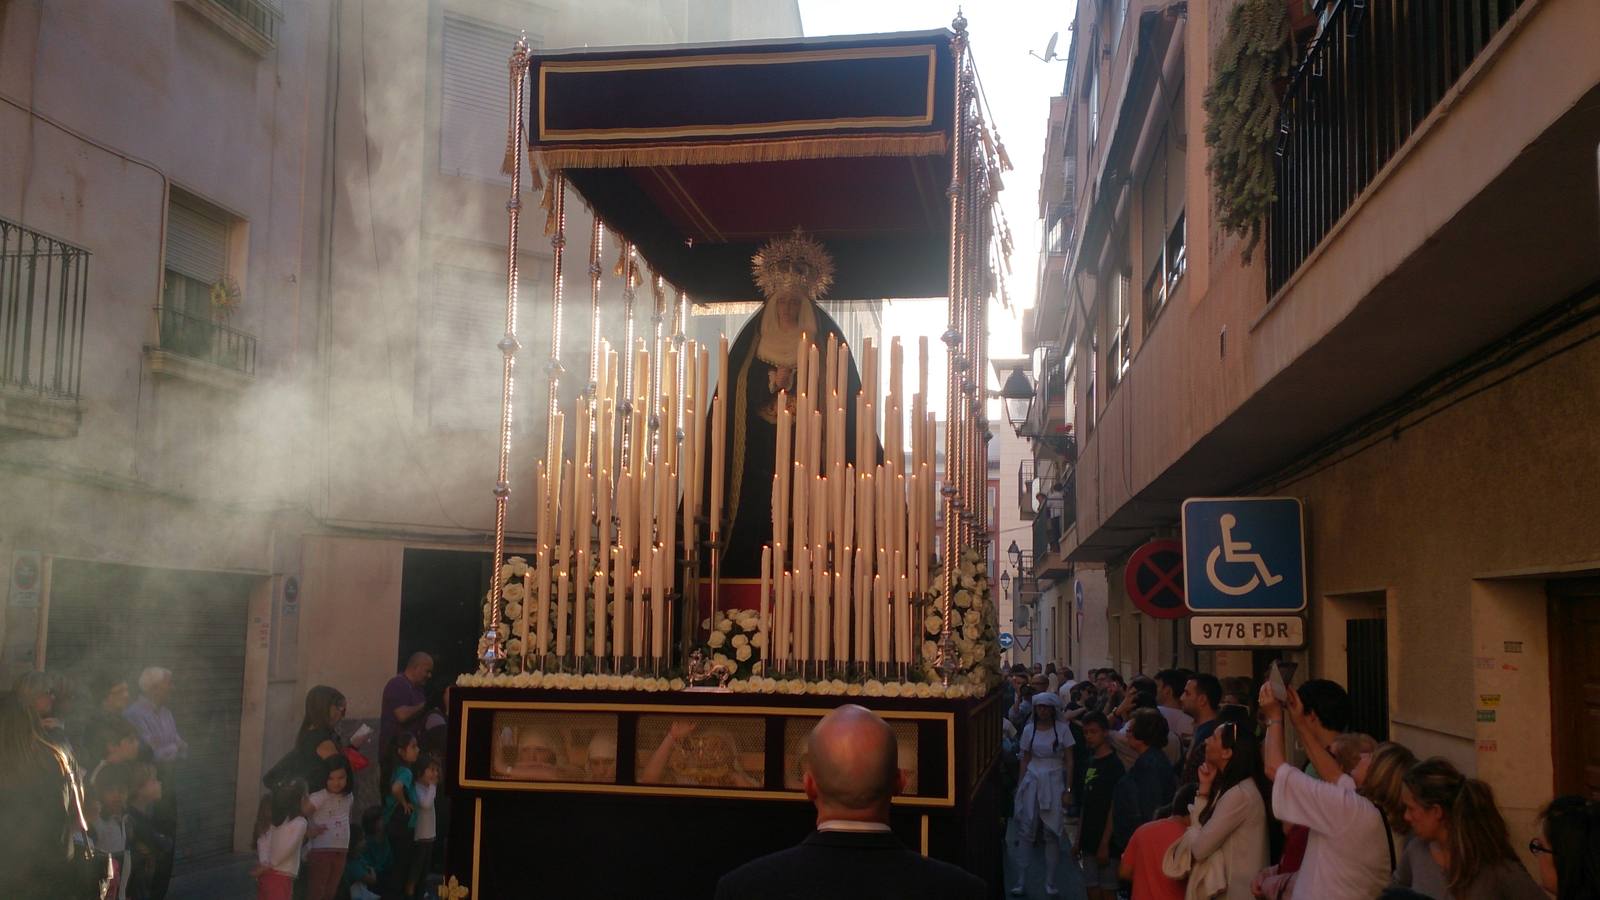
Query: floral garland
(974, 627)
(568, 681)
(738, 632)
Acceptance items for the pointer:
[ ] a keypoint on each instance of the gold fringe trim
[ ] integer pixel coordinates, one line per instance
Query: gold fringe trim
(770, 150)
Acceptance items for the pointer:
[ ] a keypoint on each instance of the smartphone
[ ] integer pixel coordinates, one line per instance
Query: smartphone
(1279, 675)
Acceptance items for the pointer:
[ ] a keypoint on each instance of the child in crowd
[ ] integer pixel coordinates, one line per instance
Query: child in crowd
(325, 857)
(110, 740)
(1101, 774)
(148, 844)
(278, 846)
(400, 813)
(110, 823)
(370, 858)
(427, 829)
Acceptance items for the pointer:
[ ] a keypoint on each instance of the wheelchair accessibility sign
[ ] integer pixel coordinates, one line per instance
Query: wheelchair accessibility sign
(1244, 555)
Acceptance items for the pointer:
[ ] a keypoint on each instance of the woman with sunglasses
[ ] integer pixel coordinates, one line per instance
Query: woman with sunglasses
(1227, 835)
(1568, 850)
(1465, 834)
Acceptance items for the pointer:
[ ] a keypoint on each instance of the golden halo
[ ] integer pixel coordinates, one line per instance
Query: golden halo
(794, 260)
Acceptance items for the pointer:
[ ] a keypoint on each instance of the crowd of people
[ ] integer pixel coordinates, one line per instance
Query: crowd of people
(315, 841)
(1179, 786)
(88, 784)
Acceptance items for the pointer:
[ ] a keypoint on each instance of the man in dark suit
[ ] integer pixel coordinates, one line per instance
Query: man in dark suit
(852, 772)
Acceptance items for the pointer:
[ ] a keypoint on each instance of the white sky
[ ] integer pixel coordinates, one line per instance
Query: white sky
(1019, 88)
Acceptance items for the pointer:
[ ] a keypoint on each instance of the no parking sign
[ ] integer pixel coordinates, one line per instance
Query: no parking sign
(1154, 579)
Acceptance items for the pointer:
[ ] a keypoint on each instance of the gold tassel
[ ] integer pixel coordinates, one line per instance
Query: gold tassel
(534, 181)
(548, 204)
(622, 260)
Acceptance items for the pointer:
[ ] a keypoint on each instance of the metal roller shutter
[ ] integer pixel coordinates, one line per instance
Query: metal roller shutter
(123, 618)
(474, 93)
(197, 243)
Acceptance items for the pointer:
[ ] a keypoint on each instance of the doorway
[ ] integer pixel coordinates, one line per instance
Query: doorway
(1575, 685)
(441, 610)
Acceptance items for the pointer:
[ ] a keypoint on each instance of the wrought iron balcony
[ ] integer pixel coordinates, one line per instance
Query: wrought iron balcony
(44, 293)
(1372, 74)
(207, 341)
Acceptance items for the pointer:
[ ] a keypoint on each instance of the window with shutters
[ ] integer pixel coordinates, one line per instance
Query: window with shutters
(473, 98)
(199, 292)
(466, 318)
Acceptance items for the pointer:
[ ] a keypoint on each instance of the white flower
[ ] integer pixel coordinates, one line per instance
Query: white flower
(811, 687)
(590, 681)
(706, 624)
(513, 611)
(740, 640)
(676, 684)
(648, 685)
(536, 679)
(971, 632)
(513, 592)
(930, 650)
(759, 639)
(739, 686)
(721, 660)
(769, 684)
(924, 691)
(873, 688)
(742, 653)
(628, 682)
(757, 668)
(514, 646)
(717, 639)
(797, 687)
(963, 599)
(853, 690)
(725, 626)
(749, 622)
(970, 617)
(837, 686)
(933, 624)
(516, 566)
(892, 689)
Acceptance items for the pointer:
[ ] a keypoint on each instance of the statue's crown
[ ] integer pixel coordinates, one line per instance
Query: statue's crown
(794, 260)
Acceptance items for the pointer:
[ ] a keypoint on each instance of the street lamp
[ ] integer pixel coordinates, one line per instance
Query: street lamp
(1017, 393)
(1016, 556)
(1005, 584)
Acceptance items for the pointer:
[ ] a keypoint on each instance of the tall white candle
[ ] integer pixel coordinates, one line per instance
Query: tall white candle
(766, 599)
(599, 615)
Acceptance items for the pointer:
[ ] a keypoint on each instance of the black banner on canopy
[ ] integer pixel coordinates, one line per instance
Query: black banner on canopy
(883, 95)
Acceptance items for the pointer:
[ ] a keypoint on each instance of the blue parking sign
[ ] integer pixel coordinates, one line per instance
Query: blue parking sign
(1244, 555)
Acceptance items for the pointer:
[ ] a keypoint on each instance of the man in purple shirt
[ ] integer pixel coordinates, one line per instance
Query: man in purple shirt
(158, 733)
(403, 704)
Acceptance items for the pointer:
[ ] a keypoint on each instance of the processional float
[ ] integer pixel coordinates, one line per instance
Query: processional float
(655, 601)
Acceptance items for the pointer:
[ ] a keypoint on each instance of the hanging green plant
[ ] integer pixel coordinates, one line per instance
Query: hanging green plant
(1242, 107)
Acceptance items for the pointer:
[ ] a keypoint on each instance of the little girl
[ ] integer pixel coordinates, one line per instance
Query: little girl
(110, 823)
(326, 856)
(278, 845)
(427, 824)
(400, 812)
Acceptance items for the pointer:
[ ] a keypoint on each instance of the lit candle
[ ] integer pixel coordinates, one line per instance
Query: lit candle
(562, 583)
(599, 615)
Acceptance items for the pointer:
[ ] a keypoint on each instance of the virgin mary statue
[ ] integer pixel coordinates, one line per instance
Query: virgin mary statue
(793, 272)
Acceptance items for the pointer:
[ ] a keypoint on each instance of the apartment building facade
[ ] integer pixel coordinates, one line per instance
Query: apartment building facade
(1406, 351)
(251, 282)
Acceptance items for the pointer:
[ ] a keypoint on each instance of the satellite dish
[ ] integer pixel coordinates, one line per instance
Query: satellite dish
(1049, 49)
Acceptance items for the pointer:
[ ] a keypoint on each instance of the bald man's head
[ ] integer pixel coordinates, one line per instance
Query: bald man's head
(419, 667)
(853, 760)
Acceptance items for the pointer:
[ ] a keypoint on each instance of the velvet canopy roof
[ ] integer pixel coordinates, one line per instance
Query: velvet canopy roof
(699, 154)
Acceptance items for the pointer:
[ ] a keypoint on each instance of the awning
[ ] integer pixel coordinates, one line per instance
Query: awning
(698, 154)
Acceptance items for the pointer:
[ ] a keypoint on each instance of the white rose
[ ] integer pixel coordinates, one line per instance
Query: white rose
(759, 639)
(769, 684)
(811, 687)
(514, 646)
(748, 623)
(892, 689)
(705, 624)
(930, 650)
(970, 617)
(516, 565)
(837, 685)
(798, 687)
(933, 624)
(536, 679)
(971, 632)
(676, 684)
(590, 682)
(742, 654)
(924, 691)
(757, 668)
(853, 690)
(717, 639)
(739, 686)
(628, 682)
(648, 685)
(513, 592)
(725, 626)
(721, 660)
(963, 599)
(873, 688)
(740, 640)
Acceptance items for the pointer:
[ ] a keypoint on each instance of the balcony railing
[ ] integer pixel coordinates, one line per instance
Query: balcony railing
(1373, 73)
(206, 340)
(1025, 487)
(44, 293)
